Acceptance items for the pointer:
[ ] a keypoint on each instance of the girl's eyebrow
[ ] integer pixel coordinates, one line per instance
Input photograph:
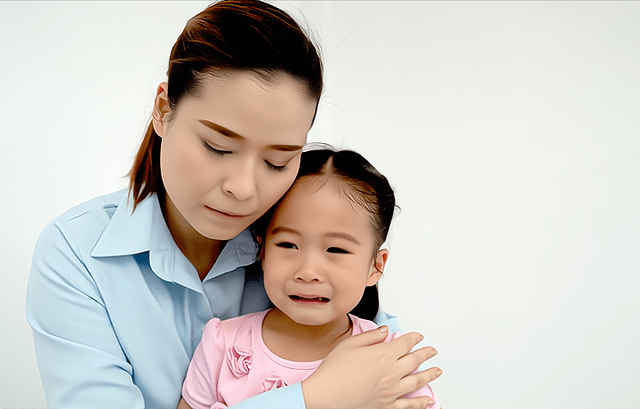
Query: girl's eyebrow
(284, 230)
(343, 236)
(336, 235)
(233, 135)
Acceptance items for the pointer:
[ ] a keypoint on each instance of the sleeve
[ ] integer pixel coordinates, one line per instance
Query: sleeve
(391, 321)
(199, 389)
(80, 359)
(289, 397)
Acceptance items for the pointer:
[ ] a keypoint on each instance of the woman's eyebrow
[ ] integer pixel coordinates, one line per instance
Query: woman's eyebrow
(221, 129)
(233, 135)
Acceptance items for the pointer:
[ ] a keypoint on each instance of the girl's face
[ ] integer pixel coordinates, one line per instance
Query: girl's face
(318, 254)
(230, 151)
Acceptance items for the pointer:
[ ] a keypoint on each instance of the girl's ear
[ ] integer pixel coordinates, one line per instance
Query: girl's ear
(160, 108)
(377, 269)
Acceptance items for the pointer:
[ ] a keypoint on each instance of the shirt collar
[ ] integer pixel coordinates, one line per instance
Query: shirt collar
(129, 232)
(145, 230)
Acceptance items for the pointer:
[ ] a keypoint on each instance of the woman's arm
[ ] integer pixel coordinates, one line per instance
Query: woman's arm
(368, 385)
(289, 397)
(378, 373)
(80, 360)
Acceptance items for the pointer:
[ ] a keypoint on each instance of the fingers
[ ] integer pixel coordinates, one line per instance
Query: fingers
(371, 337)
(412, 361)
(402, 345)
(415, 381)
(421, 402)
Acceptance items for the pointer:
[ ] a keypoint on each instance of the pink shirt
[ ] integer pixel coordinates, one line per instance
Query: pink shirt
(232, 363)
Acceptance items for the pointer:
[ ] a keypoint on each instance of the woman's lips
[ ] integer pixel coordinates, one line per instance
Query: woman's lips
(226, 214)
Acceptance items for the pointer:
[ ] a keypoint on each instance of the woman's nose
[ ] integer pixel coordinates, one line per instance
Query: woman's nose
(241, 181)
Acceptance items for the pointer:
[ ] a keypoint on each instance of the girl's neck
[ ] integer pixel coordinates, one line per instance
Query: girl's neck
(302, 343)
(201, 251)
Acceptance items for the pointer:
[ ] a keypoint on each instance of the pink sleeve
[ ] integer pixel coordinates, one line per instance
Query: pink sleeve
(424, 391)
(200, 385)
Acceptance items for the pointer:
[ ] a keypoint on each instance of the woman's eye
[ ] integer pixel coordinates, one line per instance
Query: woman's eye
(275, 167)
(286, 245)
(337, 250)
(214, 150)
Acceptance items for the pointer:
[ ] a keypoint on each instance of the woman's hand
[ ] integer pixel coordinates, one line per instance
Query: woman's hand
(365, 372)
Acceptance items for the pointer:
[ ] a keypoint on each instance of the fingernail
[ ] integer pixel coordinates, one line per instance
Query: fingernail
(438, 372)
(383, 328)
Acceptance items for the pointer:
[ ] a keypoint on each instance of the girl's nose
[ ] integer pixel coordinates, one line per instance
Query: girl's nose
(309, 270)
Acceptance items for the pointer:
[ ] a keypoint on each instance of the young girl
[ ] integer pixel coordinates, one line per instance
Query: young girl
(320, 250)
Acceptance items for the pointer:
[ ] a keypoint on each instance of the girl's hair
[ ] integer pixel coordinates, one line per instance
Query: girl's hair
(364, 186)
(238, 35)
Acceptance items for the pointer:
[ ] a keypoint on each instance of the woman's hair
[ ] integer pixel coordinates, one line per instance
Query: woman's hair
(364, 186)
(230, 35)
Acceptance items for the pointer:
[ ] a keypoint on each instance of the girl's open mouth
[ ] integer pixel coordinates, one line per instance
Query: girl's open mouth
(313, 299)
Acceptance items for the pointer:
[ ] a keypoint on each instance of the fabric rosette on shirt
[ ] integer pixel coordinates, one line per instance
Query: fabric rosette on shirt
(239, 360)
(273, 381)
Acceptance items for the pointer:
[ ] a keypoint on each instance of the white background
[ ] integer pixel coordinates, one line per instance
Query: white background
(510, 130)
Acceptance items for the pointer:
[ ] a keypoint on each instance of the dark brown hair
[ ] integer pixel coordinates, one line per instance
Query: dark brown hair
(241, 35)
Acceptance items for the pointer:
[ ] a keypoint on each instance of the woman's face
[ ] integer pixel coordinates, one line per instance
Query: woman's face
(230, 151)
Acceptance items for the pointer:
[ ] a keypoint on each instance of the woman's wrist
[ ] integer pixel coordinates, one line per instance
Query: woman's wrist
(312, 400)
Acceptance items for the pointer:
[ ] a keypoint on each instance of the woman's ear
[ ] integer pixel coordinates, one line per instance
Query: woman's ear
(377, 269)
(160, 108)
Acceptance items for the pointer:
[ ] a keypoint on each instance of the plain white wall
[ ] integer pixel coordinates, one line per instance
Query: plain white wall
(510, 130)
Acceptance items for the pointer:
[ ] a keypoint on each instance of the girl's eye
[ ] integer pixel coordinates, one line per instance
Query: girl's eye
(337, 250)
(216, 151)
(275, 167)
(286, 245)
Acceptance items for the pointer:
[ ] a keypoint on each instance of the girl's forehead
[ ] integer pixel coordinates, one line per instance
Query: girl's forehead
(310, 184)
(343, 189)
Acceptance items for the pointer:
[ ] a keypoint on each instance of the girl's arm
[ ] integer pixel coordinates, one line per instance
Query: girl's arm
(80, 360)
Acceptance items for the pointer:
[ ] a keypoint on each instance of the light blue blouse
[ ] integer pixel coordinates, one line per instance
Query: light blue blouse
(117, 310)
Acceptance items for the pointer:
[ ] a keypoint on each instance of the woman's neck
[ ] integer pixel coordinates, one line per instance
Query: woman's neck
(302, 343)
(201, 251)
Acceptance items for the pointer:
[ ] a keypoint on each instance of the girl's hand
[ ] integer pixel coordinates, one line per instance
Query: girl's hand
(183, 404)
(365, 372)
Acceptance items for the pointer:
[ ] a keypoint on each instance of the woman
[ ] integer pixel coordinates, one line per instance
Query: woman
(121, 286)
